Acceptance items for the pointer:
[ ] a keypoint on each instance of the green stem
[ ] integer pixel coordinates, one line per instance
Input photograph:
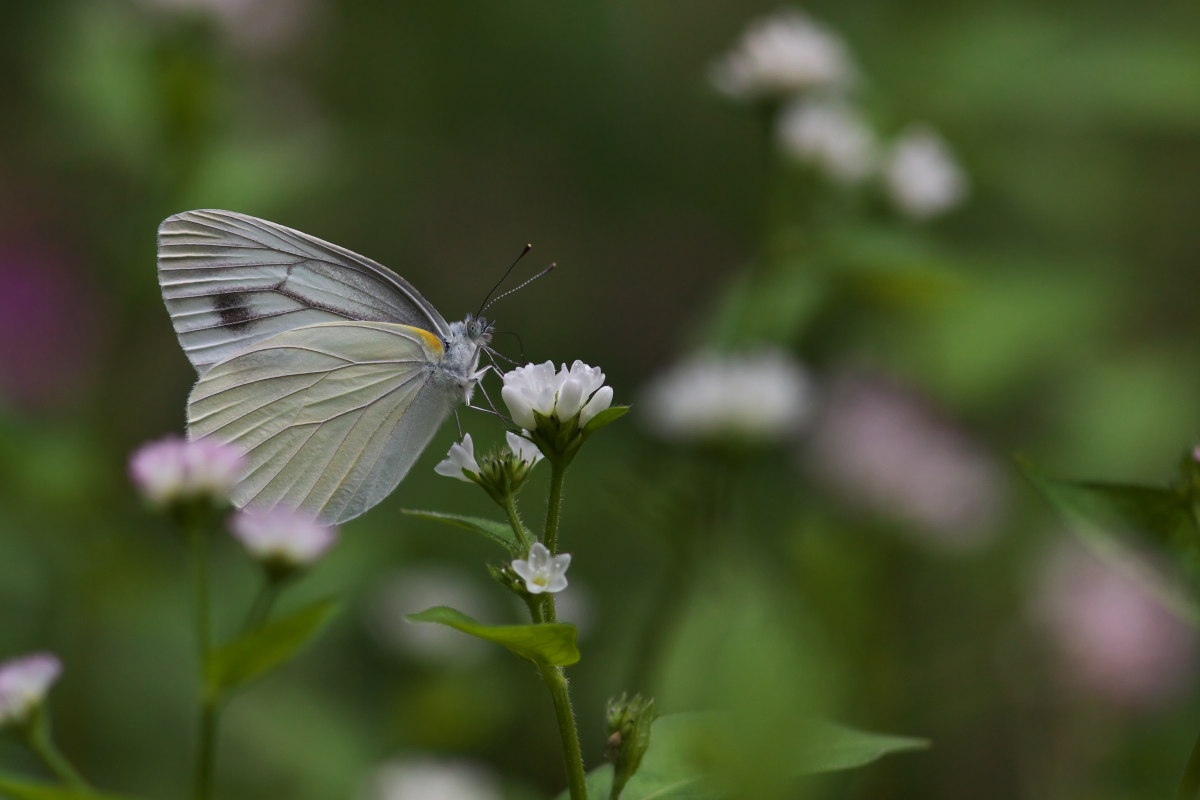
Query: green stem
(42, 743)
(207, 728)
(260, 609)
(1189, 786)
(554, 506)
(556, 681)
(514, 520)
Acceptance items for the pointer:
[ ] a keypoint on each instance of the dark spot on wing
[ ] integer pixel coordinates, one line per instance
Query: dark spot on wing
(234, 310)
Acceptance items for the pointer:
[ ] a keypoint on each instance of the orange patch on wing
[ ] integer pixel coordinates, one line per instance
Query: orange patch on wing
(431, 340)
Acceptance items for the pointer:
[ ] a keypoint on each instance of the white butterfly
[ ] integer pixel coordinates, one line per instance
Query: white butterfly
(329, 370)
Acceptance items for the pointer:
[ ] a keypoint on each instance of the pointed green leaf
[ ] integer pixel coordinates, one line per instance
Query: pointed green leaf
(1110, 517)
(499, 532)
(19, 789)
(549, 643)
(259, 652)
(681, 747)
(605, 417)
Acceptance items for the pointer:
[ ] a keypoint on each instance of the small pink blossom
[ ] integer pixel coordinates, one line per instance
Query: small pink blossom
(173, 469)
(1112, 635)
(24, 684)
(283, 536)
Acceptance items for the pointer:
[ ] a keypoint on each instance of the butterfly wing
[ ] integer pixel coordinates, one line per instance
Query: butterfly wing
(230, 280)
(331, 416)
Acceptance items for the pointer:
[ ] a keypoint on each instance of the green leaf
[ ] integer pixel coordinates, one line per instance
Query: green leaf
(551, 644)
(259, 652)
(1111, 517)
(18, 789)
(682, 745)
(605, 417)
(499, 532)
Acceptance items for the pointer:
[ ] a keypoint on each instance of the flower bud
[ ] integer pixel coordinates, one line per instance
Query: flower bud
(629, 723)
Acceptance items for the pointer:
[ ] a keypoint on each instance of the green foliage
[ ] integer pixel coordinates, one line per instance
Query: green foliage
(1113, 517)
(549, 644)
(261, 651)
(498, 532)
(606, 417)
(19, 789)
(683, 747)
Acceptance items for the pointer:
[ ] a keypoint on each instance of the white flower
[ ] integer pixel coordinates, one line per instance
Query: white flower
(1113, 636)
(921, 175)
(24, 683)
(543, 572)
(561, 395)
(459, 460)
(283, 536)
(760, 396)
(173, 469)
(886, 450)
(433, 779)
(525, 451)
(830, 136)
(784, 53)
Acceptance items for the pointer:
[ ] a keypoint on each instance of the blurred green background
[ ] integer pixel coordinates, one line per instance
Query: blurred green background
(1053, 315)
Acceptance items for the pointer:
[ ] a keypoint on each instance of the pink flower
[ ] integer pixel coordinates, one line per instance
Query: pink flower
(1112, 635)
(173, 469)
(283, 536)
(888, 451)
(24, 683)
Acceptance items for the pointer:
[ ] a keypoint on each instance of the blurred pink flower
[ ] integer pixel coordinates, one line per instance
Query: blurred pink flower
(49, 331)
(283, 536)
(1112, 635)
(887, 451)
(250, 24)
(173, 469)
(24, 684)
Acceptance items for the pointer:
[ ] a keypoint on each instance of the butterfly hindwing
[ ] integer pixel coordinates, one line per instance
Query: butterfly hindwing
(230, 280)
(331, 416)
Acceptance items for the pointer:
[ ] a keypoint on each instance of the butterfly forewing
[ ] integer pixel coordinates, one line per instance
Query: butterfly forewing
(230, 280)
(331, 416)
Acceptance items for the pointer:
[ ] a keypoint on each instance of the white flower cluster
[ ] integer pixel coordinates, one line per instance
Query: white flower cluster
(789, 59)
(753, 396)
(559, 395)
(781, 54)
(24, 684)
(433, 779)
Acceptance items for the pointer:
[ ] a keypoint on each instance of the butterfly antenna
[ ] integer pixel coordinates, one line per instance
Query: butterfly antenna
(483, 306)
(489, 304)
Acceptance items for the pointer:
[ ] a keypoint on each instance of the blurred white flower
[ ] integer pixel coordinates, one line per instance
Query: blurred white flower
(525, 451)
(756, 395)
(461, 457)
(433, 779)
(24, 684)
(249, 23)
(543, 572)
(831, 136)
(885, 450)
(921, 175)
(781, 54)
(578, 390)
(417, 589)
(283, 536)
(1112, 635)
(173, 469)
